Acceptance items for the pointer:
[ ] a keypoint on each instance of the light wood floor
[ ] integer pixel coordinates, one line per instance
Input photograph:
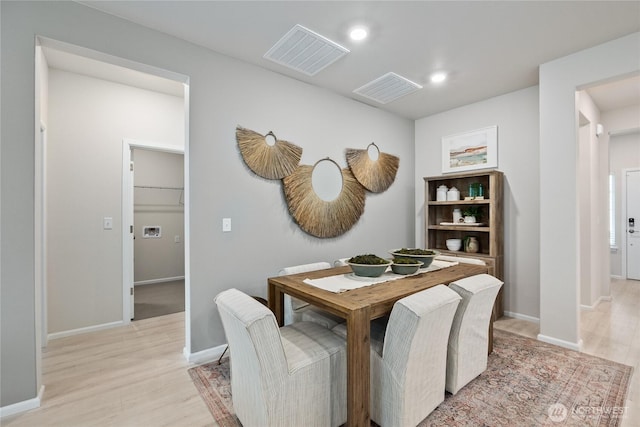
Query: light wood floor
(137, 376)
(133, 375)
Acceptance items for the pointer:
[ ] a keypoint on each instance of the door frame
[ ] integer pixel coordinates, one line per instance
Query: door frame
(128, 145)
(623, 220)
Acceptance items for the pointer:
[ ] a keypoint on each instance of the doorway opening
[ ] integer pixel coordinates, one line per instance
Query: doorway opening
(86, 102)
(153, 246)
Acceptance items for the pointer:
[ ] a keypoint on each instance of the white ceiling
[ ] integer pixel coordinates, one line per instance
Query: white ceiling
(488, 48)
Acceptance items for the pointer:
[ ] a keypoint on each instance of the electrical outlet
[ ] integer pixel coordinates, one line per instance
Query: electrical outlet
(226, 224)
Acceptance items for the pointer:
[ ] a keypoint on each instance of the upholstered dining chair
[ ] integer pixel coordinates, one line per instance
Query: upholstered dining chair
(296, 310)
(467, 353)
(292, 375)
(408, 359)
(340, 262)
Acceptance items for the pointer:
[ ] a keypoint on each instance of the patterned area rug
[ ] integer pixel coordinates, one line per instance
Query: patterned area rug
(527, 383)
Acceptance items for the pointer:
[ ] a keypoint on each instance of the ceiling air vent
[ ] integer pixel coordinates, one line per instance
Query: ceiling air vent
(387, 88)
(303, 50)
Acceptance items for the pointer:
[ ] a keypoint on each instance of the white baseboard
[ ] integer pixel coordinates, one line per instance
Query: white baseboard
(204, 356)
(561, 343)
(162, 280)
(615, 276)
(84, 330)
(24, 406)
(522, 317)
(593, 307)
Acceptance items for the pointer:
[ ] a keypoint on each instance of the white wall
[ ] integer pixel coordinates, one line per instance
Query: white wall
(559, 262)
(516, 115)
(621, 119)
(88, 119)
(593, 160)
(223, 94)
(160, 258)
(40, 190)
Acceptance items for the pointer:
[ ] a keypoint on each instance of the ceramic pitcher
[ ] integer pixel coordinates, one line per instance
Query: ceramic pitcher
(471, 245)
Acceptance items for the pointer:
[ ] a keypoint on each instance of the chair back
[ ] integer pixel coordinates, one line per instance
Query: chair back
(414, 354)
(469, 337)
(341, 262)
(304, 268)
(256, 350)
(293, 304)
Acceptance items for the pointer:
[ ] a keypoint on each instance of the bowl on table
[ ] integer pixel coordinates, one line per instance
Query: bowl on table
(425, 256)
(368, 265)
(454, 244)
(405, 265)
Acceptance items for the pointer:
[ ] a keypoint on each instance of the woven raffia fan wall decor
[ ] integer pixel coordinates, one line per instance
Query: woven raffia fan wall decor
(375, 175)
(268, 161)
(318, 217)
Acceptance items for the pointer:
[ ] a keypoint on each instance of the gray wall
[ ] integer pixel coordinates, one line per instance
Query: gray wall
(158, 258)
(223, 94)
(516, 115)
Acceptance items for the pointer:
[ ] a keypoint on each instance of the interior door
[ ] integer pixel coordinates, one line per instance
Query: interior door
(131, 236)
(632, 224)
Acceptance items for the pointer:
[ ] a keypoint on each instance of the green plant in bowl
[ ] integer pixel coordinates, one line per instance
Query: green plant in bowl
(368, 265)
(472, 211)
(425, 256)
(405, 265)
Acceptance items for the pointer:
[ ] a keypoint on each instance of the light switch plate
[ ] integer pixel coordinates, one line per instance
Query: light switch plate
(107, 223)
(226, 224)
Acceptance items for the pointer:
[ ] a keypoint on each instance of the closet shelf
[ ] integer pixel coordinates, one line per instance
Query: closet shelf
(154, 187)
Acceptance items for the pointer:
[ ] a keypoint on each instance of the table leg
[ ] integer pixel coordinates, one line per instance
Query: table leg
(358, 383)
(276, 303)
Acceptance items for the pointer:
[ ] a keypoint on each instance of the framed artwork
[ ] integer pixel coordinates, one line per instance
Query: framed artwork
(472, 150)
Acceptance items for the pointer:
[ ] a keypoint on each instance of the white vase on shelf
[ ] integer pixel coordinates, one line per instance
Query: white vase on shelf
(441, 193)
(457, 216)
(453, 194)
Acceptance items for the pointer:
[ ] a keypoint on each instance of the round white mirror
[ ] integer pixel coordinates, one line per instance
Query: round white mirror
(270, 139)
(373, 152)
(326, 180)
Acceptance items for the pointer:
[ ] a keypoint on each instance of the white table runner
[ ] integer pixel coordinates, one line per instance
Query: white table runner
(348, 281)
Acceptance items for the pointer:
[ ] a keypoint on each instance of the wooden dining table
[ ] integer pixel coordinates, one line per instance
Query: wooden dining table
(358, 307)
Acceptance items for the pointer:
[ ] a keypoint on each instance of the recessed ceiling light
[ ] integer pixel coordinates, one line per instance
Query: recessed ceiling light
(358, 33)
(438, 77)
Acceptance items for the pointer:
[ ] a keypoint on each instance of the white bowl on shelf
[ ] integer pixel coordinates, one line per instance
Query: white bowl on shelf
(454, 244)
